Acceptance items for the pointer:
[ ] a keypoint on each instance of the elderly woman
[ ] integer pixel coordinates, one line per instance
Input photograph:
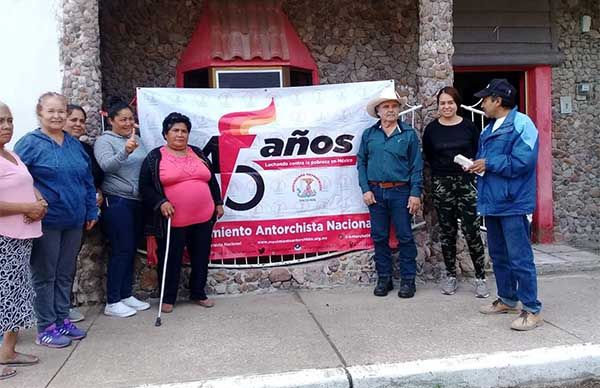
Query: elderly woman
(21, 209)
(454, 196)
(120, 155)
(177, 182)
(60, 170)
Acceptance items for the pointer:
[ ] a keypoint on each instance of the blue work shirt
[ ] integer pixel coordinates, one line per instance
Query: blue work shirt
(394, 158)
(62, 175)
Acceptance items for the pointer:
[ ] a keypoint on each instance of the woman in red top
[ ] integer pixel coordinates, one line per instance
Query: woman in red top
(177, 182)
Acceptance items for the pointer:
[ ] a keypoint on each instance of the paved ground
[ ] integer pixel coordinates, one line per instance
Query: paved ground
(557, 258)
(313, 329)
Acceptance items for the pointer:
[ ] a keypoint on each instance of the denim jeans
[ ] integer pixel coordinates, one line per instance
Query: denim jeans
(122, 223)
(53, 262)
(197, 238)
(391, 205)
(512, 258)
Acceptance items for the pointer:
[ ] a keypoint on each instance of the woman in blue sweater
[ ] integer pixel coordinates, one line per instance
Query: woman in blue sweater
(61, 172)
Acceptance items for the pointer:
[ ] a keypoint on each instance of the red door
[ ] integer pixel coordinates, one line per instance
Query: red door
(534, 85)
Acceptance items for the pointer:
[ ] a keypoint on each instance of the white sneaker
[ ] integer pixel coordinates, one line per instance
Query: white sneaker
(135, 303)
(119, 309)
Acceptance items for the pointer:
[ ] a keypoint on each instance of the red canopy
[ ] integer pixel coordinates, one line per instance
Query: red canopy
(244, 33)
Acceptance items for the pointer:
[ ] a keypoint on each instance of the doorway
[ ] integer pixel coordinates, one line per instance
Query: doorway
(534, 96)
(469, 81)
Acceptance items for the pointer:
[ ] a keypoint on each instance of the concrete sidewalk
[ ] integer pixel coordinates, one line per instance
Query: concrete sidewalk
(327, 338)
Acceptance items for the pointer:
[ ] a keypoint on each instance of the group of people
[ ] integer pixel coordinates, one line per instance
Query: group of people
(54, 188)
(500, 160)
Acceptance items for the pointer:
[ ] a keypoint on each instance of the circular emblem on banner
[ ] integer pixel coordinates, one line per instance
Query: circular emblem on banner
(307, 187)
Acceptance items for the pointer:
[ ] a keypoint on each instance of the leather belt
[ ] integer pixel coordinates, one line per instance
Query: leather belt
(387, 185)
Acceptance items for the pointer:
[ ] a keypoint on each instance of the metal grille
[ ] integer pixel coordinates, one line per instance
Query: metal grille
(481, 114)
(412, 109)
(282, 260)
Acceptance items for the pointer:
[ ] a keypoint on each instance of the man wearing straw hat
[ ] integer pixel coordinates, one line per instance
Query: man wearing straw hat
(390, 170)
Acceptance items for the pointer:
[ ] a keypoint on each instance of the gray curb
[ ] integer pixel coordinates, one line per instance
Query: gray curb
(501, 369)
(306, 378)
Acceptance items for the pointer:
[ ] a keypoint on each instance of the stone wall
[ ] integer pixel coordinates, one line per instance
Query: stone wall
(142, 42)
(354, 41)
(576, 136)
(82, 82)
(435, 53)
(80, 58)
(350, 41)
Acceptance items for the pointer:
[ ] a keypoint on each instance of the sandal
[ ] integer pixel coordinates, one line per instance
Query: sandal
(7, 373)
(21, 359)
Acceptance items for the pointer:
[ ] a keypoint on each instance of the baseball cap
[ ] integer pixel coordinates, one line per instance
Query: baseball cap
(498, 87)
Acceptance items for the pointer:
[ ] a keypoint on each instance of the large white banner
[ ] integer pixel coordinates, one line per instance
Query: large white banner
(285, 158)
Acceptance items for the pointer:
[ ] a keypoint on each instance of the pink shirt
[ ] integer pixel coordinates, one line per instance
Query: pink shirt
(17, 186)
(185, 181)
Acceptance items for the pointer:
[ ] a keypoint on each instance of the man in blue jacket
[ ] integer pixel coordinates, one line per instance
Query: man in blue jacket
(390, 170)
(507, 157)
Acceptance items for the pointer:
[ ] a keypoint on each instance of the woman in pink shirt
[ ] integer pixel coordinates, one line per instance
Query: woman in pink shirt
(177, 182)
(21, 209)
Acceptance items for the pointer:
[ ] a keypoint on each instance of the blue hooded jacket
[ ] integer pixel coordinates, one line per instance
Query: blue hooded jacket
(62, 174)
(508, 186)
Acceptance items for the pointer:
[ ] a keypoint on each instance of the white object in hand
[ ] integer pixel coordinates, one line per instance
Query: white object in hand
(464, 162)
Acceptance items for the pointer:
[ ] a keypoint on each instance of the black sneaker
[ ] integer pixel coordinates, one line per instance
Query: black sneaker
(407, 288)
(384, 285)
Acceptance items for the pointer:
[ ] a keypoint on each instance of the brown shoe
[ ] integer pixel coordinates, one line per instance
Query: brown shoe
(204, 302)
(527, 321)
(498, 307)
(166, 308)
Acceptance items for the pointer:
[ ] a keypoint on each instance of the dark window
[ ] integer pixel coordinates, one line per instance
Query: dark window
(300, 78)
(469, 83)
(249, 79)
(196, 79)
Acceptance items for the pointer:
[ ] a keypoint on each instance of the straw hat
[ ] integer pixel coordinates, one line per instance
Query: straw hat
(387, 94)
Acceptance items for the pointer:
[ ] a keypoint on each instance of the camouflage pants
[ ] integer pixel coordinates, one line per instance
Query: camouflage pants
(455, 197)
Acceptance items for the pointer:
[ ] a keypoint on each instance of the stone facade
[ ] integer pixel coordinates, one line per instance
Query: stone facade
(82, 80)
(350, 41)
(435, 52)
(80, 58)
(142, 45)
(434, 72)
(354, 41)
(365, 41)
(575, 143)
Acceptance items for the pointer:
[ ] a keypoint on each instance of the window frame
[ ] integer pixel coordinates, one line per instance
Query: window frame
(283, 73)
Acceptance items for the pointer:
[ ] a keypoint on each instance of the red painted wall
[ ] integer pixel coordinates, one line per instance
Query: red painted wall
(539, 108)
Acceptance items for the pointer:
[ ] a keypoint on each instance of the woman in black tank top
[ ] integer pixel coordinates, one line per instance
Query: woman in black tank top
(454, 194)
